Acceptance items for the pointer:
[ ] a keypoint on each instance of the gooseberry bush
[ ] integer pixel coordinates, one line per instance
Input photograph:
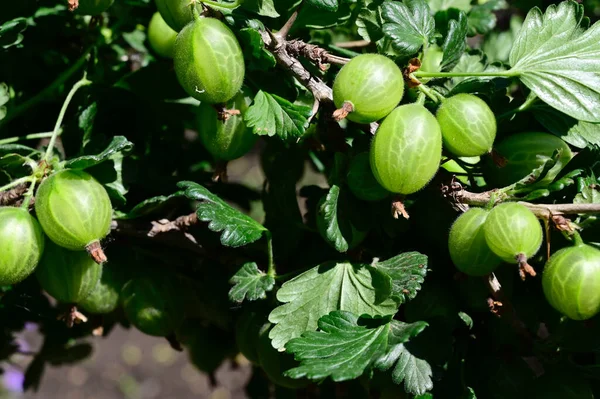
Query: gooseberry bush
(367, 198)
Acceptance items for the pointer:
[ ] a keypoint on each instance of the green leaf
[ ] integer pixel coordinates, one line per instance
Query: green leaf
(331, 286)
(482, 19)
(266, 8)
(253, 45)
(559, 61)
(237, 228)
(11, 32)
(409, 25)
(407, 272)
(414, 371)
(149, 206)
(119, 144)
(250, 283)
(369, 21)
(466, 319)
(455, 42)
(328, 212)
(313, 18)
(328, 5)
(497, 45)
(440, 5)
(588, 195)
(342, 350)
(272, 115)
(577, 133)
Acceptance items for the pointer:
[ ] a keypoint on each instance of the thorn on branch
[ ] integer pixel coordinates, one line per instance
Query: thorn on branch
(223, 114)
(72, 316)
(316, 54)
(220, 174)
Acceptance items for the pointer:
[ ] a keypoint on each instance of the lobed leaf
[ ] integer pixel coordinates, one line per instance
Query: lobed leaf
(359, 289)
(408, 24)
(272, 115)
(407, 272)
(559, 61)
(250, 283)
(237, 228)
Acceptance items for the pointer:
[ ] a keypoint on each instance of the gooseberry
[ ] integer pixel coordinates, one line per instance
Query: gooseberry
(518, 155)
(161, 36)
(69, 276)
(229, 139)
(367, 88)
(21, 244)
(513, 232)
(468, 125)
(74, 210)
(571, 279)
(208, 61)
(407, 149)
(468, 248)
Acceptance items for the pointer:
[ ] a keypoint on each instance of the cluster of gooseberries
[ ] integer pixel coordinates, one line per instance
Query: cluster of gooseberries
(480, 240)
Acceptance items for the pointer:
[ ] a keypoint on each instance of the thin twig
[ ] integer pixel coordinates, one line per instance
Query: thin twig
(318, 88)
(179, 224)
(316, 54)
(540, 210)
(353, 44)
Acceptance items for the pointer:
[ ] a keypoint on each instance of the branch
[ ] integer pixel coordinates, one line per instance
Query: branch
(155, 230)
(316, 54)
(540, 210)
(12, 196)
(319, 89)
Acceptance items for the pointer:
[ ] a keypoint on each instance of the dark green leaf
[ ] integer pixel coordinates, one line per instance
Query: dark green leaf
(254, 46)
(369, 21)
(577, 133)
(482, 19)
(119, 144)
(250, 283)
(272, 115)
(11, 32)
(237, 229)
(409, 25)
(558, 61)
(407, 272)
(149, 206)
(265, 8)
(343, 349)
(455, 42)
(329, 5)
(415, 372)
(332, 286)
(328, 212)
(312, 17)
(441, 5)
(466, 319)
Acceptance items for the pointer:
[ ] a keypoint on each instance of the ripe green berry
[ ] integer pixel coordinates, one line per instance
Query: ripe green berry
(361, 181)
(93, 7)
(73, 209)
(208, 61)
(153, 304)
(161, 36)
(571, 279)
(69, 276)
(468, 125)
(468, 248)
(176, 13)
(407, 149)
(21, 245)
(512, 231)
(105, 297)
(523, 152)
(371, 84)
(230, 139)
